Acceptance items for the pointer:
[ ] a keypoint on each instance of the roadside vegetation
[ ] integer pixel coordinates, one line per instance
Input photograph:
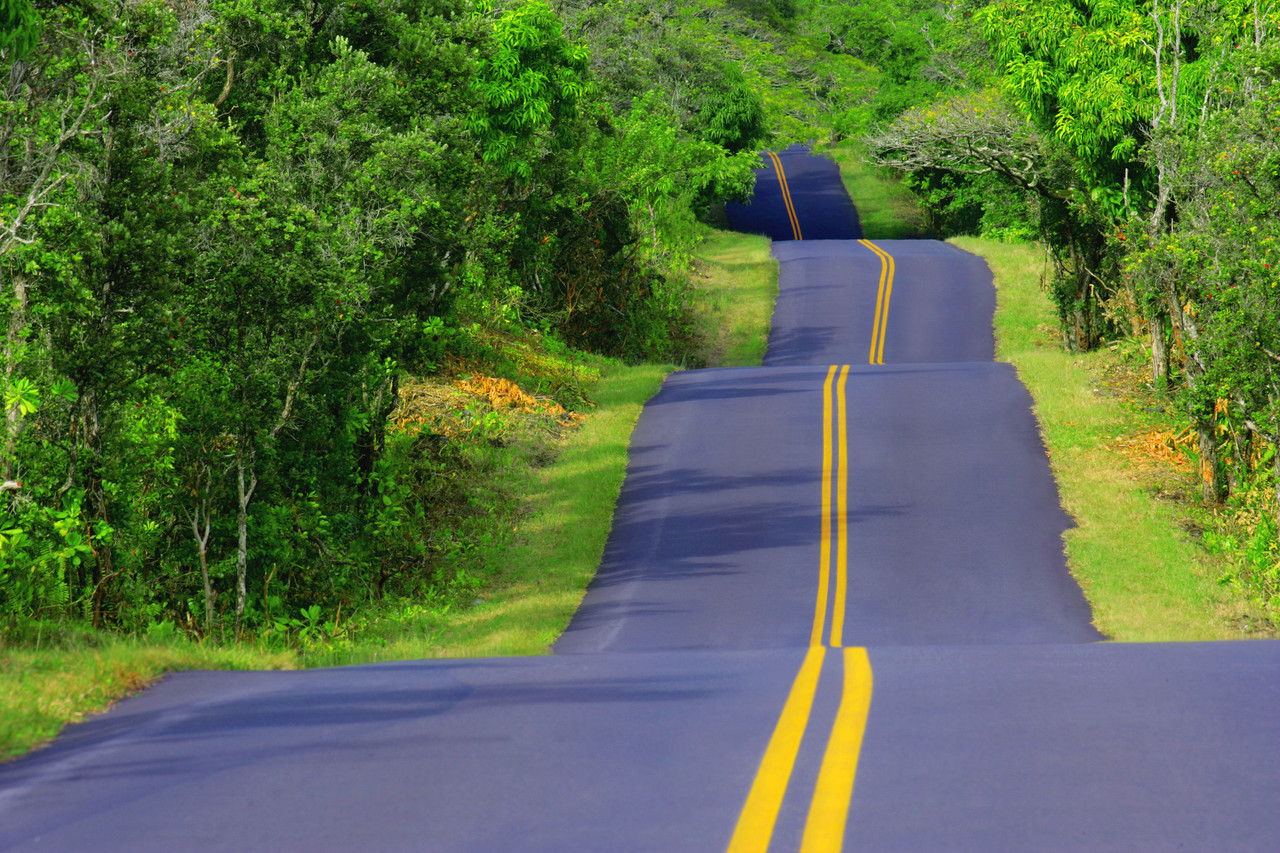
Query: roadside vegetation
(737, 281)
(1144, 547)
(1136, 141)
(67, 672)
(885, 210)
(539, 488)
(302, 301)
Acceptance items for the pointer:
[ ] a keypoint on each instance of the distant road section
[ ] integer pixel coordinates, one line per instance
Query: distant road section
(953, 521)
(937, 306)
(798, 197)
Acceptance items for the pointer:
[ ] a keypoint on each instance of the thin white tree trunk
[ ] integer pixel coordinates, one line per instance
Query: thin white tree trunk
(245, 494)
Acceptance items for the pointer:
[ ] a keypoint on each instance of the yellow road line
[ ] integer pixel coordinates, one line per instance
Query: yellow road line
(829, 810)
(760, 812)
(882, 302)
(842, 514)
(824, 545)
(786, 195)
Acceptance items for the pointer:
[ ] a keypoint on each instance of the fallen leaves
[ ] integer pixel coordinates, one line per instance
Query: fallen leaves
(1160, 445)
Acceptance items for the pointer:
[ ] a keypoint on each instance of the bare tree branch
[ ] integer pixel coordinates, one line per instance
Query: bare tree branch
(970, 135)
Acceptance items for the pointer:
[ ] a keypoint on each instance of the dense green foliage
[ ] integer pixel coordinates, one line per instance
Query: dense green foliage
(1136, 140)
(229, 229)
(738, 73)
(232, 232)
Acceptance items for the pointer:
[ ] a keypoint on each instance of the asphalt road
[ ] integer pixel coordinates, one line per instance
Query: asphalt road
(814, 205)
(833, 614)
(1054, 747)
(714, 546)
(939, 309)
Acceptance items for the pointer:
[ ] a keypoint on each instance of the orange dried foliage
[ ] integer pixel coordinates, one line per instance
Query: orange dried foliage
(502, 393)
(1155, 445)
(427, 406)
(444, 407)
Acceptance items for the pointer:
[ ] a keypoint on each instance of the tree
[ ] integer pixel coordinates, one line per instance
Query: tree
(228, 230)
(56, 96)
(1205, 251)
(529, 89)
(1081, 74)
(732, 114)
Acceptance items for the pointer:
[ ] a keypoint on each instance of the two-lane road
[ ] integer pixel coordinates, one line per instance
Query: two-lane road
(976, 748)
(935, 306)
(833, 614)
(717, 538)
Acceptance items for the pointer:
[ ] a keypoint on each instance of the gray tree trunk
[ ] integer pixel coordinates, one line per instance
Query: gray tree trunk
(1159, 350)
(245, 494)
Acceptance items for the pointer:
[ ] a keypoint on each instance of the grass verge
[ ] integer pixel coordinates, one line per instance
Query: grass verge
(1133, 549)
(737, 278)
(44, 689)
(886, 209)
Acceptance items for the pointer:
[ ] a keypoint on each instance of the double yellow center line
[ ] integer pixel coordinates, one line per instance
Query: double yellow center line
(829, 807)
(786, 194)
(886, 265)
(882, 302)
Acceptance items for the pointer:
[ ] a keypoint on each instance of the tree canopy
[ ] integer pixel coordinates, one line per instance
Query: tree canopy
(231, 231)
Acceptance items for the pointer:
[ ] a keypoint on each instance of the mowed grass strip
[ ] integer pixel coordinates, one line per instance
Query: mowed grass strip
(886, 210)
(1145, 577)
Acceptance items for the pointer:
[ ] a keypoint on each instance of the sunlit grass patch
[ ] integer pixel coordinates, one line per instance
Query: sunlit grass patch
(736, 278)
(886, 209)
(44, 689)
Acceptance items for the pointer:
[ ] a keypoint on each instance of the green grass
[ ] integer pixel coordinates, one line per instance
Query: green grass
(44, 689)
(535, 571)
(886, 209)
(1145, 577)
(737, 279)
